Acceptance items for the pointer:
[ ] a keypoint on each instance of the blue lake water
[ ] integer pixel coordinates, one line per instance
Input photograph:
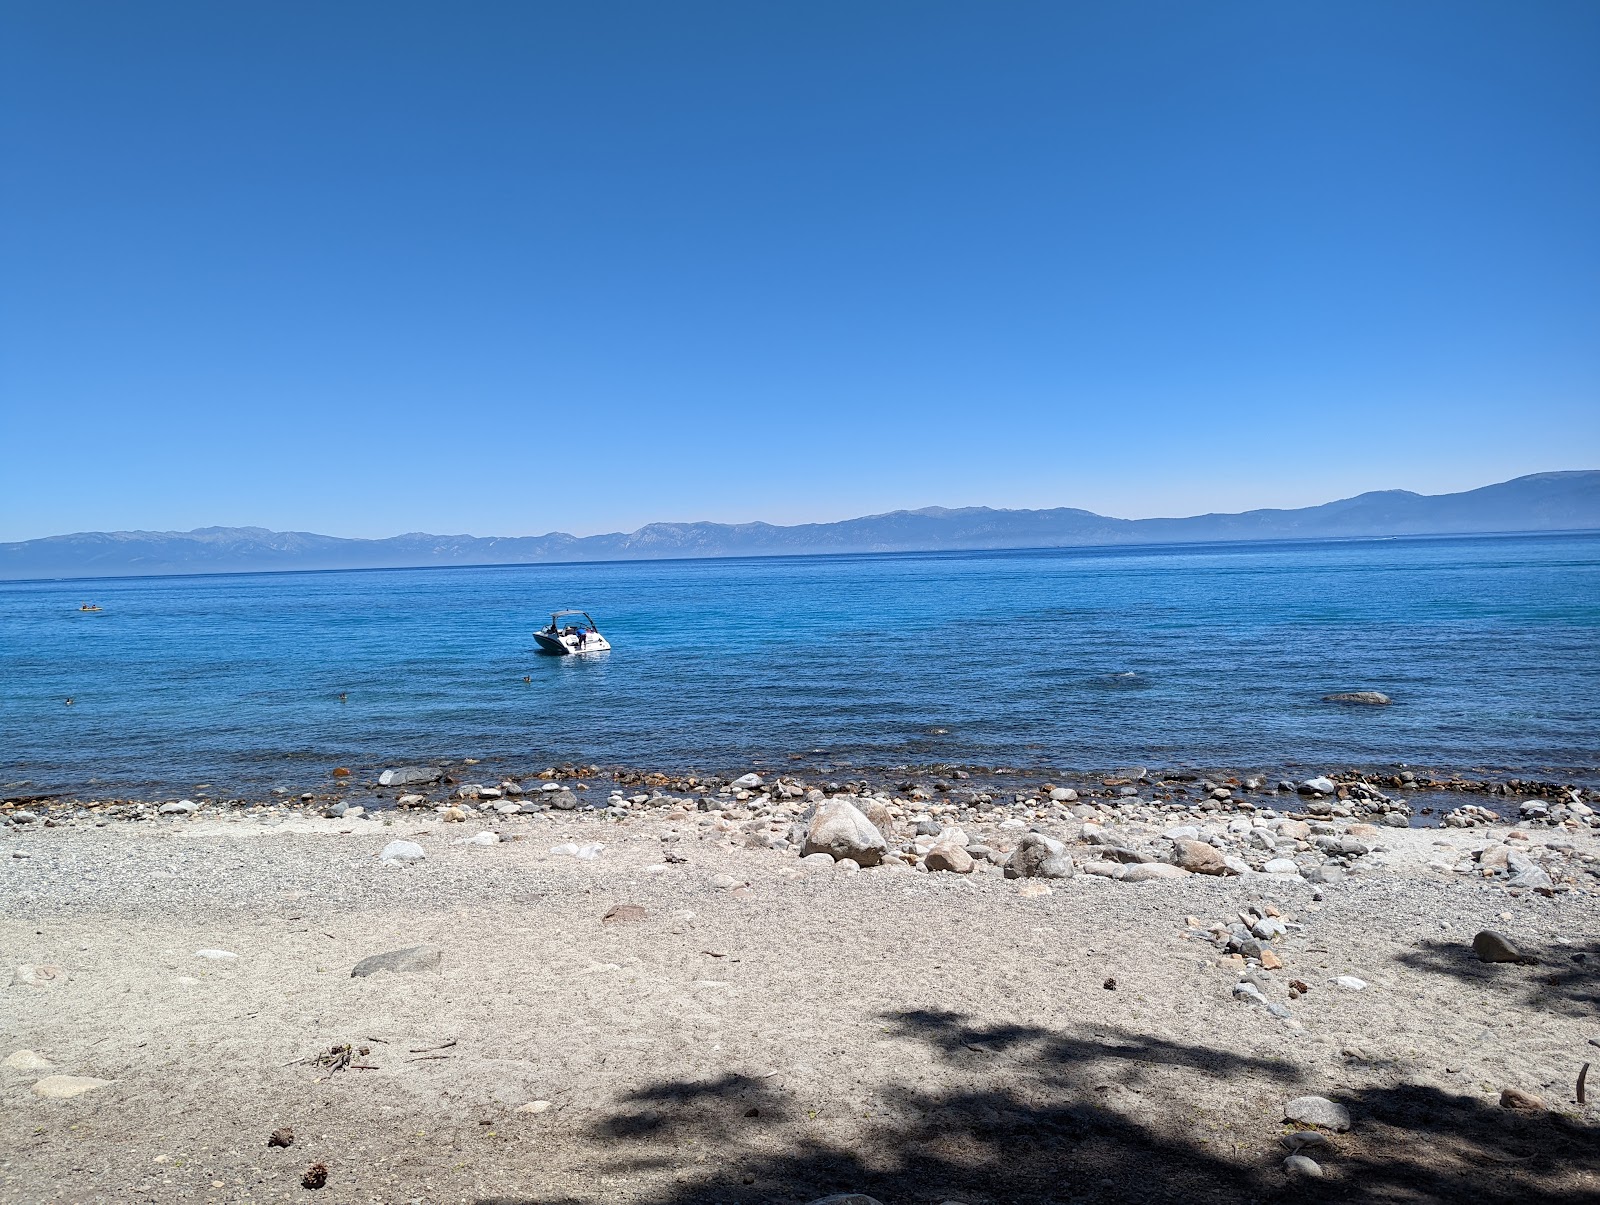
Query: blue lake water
(1089, 659)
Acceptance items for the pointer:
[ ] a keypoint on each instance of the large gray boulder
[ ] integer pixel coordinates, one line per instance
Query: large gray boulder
(1360, 698)
(841, 831)
(1039, 857)
(405, 776)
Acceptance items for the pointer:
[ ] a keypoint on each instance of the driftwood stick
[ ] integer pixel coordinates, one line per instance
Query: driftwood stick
(1583, 1074)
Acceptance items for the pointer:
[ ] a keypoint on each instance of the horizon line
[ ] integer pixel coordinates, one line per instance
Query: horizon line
(1131, 549)
(904, 510)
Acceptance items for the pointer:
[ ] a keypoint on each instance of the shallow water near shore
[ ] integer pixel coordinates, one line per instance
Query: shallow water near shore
(1085, 659)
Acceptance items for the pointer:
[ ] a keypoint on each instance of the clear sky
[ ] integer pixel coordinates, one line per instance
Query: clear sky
(505, 268)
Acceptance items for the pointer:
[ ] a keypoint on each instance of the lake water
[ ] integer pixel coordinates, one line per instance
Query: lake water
(1086, 659)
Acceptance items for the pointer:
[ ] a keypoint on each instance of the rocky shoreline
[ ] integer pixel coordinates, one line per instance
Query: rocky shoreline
(1130, 827)
(669, 989)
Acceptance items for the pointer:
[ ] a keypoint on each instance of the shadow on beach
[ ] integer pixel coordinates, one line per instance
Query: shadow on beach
(1040, 1115)
(1566, 979)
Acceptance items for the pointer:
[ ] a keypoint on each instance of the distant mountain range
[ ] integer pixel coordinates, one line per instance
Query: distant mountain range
(1540, 502)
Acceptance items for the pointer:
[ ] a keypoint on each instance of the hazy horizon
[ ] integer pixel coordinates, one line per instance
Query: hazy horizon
(679, 521)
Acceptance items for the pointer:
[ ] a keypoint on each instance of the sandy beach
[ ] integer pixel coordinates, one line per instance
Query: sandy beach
(689, 1015)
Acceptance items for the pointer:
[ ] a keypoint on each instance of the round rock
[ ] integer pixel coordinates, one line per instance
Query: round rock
(1317, 1111)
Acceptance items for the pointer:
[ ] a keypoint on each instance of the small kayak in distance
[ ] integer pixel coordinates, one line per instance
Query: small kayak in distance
(565, 638)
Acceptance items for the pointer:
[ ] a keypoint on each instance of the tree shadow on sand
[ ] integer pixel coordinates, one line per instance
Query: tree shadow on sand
(1566, 979)
(1016, 1113)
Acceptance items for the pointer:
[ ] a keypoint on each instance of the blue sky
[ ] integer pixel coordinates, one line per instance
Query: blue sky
(509, 268)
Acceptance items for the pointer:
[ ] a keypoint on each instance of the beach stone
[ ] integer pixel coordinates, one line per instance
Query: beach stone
(1317, 786)
(1105, 870)
(411, 960)
(1037, 856)
(65, 1087)
(1033, 888)
(22, 817)
(748, 782)
(1269, 928)
(820, 861)
(563, 799)
(30, 974)
(625, 914)
(411, 801)
(847, 865)
(1143, 872)
(1305, 1140)
(1317, 1111)
(725, 882)
(1294, 830)
(1527, 1102)
(1367, 698)
(27, 1060)
(1244, 990)
(1063, 795)
(397, 852)
(877, 811)
(1490, 946)
(1280, 866)
(184, 807)
(842, 831)
(1303, 1165)
(1351, 983)
(1197, 857)
(480, 839)
(534, 1106)
(948, 857)
(405, 776)
(1525, 872)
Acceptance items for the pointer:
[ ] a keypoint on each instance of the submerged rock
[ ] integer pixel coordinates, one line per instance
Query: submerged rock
(1361, 698)
(405, 776)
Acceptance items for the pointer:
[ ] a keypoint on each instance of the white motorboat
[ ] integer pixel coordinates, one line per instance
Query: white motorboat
(566, 637)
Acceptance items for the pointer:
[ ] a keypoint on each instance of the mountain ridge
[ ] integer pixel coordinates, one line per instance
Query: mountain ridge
(1553, 501)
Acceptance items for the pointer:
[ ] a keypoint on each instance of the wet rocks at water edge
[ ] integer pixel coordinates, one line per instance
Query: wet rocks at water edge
(406, 776)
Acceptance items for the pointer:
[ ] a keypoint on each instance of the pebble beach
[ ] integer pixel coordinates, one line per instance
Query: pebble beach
(586, 985)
